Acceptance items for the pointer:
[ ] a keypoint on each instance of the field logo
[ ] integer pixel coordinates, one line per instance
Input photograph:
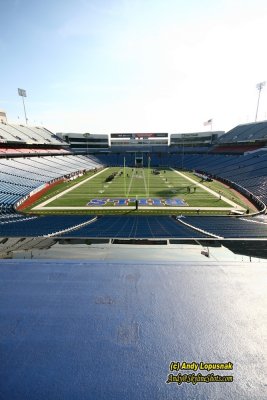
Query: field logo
(118, 202)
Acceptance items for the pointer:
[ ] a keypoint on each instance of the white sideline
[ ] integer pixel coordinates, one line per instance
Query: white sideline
(145, 185)
(130, 184)
(210, 191)
(152, 208)
(40, 206)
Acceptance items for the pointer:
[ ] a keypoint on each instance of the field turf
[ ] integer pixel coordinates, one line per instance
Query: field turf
(139, 183)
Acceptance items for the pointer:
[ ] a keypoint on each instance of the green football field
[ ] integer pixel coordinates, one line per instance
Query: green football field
(164, 187)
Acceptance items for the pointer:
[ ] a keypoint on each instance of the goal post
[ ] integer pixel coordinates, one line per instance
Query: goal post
(124, 176)
(148, 175)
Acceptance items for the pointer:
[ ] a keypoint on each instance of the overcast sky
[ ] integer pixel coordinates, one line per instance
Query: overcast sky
(133, 65)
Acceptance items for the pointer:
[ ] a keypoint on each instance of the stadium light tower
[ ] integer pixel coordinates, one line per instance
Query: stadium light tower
(22, 93)
(259, 86)
(183, 153)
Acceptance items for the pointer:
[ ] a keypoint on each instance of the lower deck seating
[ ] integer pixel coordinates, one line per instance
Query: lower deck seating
(229, 227)
(135, 227)
(20, 176)
(40, 226)
(103, 227)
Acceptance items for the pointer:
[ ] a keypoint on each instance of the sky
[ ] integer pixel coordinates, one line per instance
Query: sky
(103, 66)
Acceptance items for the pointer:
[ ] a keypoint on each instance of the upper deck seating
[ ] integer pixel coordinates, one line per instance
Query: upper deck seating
(10, 133)
(245, 133)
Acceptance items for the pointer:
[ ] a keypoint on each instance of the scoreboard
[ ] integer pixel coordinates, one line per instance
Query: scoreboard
(139, 135)
(139, 138)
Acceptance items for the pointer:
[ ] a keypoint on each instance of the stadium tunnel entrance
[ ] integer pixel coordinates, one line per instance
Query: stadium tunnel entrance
(139, 160)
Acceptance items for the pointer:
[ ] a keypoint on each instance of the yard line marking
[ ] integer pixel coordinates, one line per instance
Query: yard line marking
(130, 185)
(67, 190)
(145, 183)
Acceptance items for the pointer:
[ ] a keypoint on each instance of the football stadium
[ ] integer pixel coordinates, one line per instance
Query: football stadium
(133, 195)
(119, 237)
(135, 186)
